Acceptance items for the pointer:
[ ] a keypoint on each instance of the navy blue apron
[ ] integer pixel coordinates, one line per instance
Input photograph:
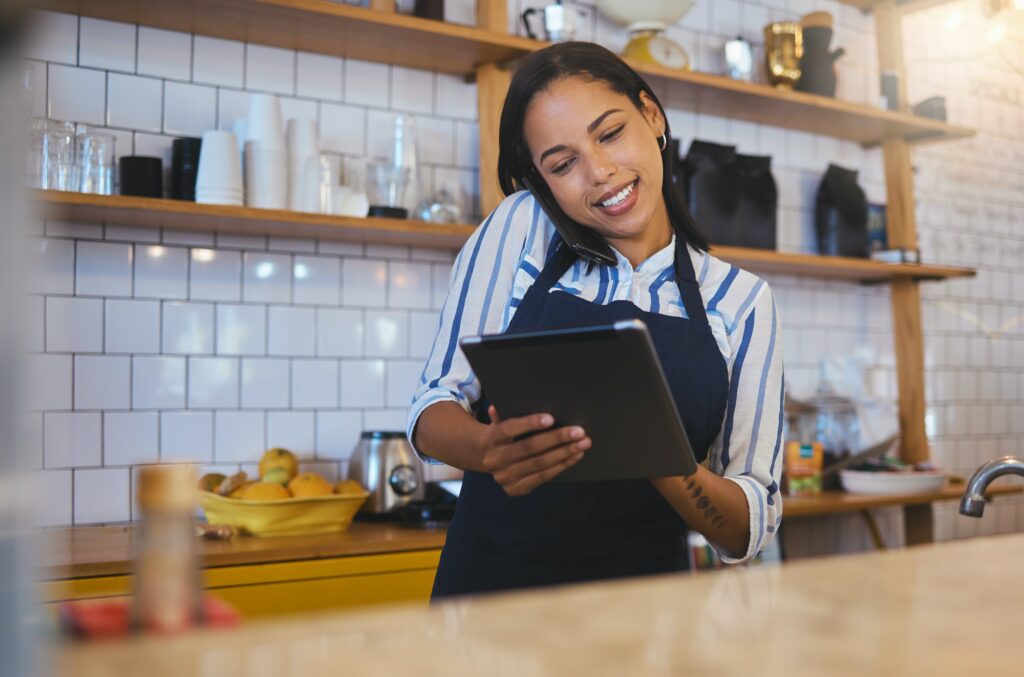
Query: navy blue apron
(566, 532)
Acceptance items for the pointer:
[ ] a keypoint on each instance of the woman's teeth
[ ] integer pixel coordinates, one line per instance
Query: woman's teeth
(620, 196)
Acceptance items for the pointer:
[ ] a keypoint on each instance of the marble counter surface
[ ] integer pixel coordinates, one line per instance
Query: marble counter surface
(947, 609)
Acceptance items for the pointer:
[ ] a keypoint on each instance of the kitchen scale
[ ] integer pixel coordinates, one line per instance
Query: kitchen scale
(646, 22)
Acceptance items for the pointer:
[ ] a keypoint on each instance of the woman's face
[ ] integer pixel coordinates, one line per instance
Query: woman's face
(600, 156)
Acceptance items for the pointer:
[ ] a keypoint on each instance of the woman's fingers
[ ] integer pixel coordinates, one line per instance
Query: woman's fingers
(515, 427)
(526, 474)
(546, 467)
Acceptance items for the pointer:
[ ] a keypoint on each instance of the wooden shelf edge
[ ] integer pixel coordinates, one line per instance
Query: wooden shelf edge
(190, 216)
(914, 128)
(181, 215)
(833, 267)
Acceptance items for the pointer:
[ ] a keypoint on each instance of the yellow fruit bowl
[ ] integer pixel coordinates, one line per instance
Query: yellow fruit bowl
(284, 517)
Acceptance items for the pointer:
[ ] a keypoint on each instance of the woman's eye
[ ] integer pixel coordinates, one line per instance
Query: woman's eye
(562, 168)
(612, 134)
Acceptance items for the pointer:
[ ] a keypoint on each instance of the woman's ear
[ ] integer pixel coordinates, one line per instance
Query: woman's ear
(652, 113)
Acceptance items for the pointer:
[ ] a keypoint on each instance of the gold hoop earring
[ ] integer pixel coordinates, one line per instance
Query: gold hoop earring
(662, 142)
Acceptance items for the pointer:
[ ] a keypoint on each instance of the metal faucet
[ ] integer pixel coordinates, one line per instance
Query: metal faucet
(973, 502)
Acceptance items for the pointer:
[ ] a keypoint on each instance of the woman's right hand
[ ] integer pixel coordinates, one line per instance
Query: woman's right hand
(521, 465)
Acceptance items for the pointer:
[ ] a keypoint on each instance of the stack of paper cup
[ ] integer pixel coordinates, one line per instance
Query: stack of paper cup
(238, 127)
(219, 178)
(303, 152)
(266, 159)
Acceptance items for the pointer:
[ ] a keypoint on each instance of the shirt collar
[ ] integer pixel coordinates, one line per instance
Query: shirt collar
(653, 265)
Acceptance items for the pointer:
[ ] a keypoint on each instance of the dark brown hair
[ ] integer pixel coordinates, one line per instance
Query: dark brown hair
(596, 64)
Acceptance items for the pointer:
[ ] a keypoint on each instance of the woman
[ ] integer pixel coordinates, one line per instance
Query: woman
(589, 137)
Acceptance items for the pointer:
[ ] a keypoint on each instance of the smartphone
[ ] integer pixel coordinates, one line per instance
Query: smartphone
(582, 240)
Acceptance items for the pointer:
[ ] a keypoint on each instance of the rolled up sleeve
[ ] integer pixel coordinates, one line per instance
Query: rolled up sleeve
(748, 450)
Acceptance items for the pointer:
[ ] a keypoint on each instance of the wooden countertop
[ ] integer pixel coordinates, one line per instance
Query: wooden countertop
(841, 501)
(77, 552)
(944, 609)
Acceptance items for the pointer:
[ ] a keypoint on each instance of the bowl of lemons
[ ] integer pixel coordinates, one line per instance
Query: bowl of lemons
(281, 501)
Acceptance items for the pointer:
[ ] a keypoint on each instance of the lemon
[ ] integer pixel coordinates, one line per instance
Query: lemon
(309, 484)
(349, 487)
(264, 491)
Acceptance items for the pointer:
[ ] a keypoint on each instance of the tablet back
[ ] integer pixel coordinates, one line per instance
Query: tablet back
(606, 379)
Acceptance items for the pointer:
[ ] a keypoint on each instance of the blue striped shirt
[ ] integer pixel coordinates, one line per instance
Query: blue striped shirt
(504, 256)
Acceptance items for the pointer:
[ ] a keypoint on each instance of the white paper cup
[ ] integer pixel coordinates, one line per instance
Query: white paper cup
(266, 177)
(219, 168)
(302, 138)
(238, 126)
(217, 197)
(263, 124)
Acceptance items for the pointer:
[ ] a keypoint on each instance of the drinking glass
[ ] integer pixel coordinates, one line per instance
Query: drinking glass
(51, 157)
(319, 178)
(96, 163)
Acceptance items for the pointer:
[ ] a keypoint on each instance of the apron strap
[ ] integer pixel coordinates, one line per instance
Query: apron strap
(556, 266)
(686, 280)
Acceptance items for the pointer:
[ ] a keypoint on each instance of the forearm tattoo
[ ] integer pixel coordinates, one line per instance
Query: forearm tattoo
(704, 503)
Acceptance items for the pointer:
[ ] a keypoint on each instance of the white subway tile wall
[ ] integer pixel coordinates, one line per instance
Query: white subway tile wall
(239, 342)
(164, 54)
(106, 44)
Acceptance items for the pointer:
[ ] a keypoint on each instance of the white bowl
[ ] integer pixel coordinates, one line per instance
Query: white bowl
(863, 482)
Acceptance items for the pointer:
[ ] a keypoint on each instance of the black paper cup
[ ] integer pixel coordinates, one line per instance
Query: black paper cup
(184, 167)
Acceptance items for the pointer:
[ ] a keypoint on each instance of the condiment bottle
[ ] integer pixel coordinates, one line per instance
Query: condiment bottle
(167, 590)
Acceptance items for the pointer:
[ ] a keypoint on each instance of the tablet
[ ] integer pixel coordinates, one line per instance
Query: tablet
(606, 379)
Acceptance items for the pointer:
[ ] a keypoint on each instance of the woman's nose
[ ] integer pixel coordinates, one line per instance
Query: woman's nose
(602, 166)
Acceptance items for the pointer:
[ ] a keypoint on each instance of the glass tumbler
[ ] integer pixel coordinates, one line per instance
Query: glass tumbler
(96, 163)
(320, 176)
(51, 156)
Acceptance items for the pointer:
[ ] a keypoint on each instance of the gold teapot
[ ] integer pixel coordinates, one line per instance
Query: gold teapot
(783, 48)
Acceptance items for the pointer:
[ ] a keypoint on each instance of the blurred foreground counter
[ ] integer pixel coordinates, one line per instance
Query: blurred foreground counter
(368, 564)
(944, 609)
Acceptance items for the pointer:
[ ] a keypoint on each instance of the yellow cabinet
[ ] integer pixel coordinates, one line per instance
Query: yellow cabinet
(289, 587)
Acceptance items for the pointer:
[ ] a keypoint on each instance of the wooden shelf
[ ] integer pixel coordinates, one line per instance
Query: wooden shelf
(765, 105)
(180, 215)
(833, 267)
(316, 26)
(832, 502)
(385, 37)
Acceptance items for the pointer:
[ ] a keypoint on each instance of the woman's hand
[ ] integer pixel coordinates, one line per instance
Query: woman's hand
(521, 465)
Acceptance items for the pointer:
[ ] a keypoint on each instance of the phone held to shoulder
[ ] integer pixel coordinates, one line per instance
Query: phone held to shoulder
(582, 240)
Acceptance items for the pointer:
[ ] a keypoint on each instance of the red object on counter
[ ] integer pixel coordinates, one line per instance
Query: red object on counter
(112, 618)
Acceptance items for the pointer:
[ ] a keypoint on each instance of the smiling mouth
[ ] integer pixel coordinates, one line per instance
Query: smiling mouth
(611, 199)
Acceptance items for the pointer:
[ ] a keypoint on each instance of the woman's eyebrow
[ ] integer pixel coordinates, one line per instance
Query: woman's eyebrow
(590, 130)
